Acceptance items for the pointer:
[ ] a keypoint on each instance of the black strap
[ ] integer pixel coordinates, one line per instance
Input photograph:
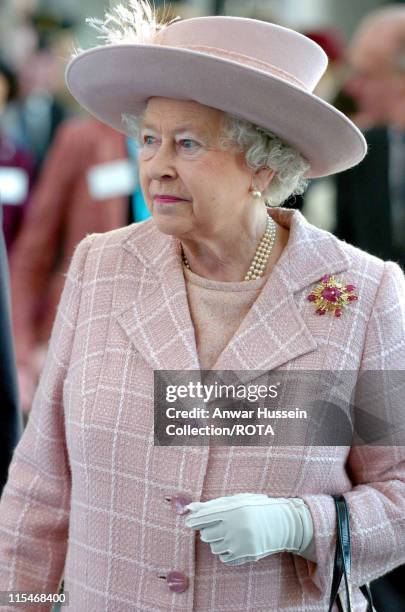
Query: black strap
(343, 561)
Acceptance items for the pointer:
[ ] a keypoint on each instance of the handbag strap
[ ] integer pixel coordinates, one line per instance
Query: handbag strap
(342, 564)
(343, 561)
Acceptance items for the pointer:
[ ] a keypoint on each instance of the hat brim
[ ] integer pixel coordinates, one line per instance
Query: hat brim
(115, 79)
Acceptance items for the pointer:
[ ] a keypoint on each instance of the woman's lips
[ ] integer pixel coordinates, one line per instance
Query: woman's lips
(161, 199)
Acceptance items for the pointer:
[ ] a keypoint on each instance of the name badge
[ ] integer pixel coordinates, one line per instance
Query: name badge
(112, 179)
(13, 186)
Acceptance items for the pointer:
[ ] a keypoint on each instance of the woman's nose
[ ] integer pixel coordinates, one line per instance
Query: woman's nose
(162, 163)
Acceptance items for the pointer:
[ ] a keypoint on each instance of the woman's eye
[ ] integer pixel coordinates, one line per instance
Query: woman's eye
(189, 143)
(148, 140)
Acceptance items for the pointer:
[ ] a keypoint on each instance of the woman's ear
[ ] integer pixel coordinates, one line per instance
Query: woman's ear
(263, 177)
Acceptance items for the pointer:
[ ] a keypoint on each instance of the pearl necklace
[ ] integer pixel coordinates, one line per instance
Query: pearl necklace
(262, 254)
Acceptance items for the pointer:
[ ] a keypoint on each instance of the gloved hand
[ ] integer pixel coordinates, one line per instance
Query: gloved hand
(248, 526)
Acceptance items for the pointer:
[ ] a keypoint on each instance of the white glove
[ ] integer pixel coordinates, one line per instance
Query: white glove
(247, 527)
(225, 502)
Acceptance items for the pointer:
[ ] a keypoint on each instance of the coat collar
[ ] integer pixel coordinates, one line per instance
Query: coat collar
(273, 332)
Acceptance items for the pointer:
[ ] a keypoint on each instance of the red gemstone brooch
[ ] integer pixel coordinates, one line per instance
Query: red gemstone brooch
(332, 296)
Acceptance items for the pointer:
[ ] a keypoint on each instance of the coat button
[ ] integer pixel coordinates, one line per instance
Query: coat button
(179, 501)
(177, 582)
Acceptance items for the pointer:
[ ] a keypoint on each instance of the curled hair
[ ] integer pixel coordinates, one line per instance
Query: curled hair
(265, 150)
(262, 149)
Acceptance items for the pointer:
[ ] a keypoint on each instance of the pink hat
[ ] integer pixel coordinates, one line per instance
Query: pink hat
(252, 69)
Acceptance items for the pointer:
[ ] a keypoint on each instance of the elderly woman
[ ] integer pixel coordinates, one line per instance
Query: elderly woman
(215, 280)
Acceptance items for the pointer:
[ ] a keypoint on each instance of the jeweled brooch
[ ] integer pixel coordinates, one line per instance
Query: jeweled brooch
(332, 296)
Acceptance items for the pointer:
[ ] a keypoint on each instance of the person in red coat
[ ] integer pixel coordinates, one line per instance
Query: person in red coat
(68, 202)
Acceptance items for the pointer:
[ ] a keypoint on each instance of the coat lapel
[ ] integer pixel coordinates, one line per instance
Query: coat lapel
(158, 320)
(273, 332)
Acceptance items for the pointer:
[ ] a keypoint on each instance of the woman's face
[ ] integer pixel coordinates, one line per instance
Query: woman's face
(190, 185)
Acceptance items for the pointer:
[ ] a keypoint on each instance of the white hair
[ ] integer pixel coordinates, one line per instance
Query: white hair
(262, 149)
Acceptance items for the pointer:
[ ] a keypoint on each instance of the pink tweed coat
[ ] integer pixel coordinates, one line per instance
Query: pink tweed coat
(86, 495)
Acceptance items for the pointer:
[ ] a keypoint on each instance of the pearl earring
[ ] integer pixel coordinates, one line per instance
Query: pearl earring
(255, 193)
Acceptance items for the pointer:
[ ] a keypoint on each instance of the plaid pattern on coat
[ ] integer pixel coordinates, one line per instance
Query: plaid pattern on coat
(86, 492)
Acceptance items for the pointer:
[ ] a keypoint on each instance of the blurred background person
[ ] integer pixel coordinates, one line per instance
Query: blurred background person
(38, 112)
(16, 163)
(18, 37)
(377, 59)
(84, 187)
(41, 104)
(10, 419)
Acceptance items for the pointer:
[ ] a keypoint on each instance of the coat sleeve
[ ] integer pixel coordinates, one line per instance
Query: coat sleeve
(34, 508)
(377, 499)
